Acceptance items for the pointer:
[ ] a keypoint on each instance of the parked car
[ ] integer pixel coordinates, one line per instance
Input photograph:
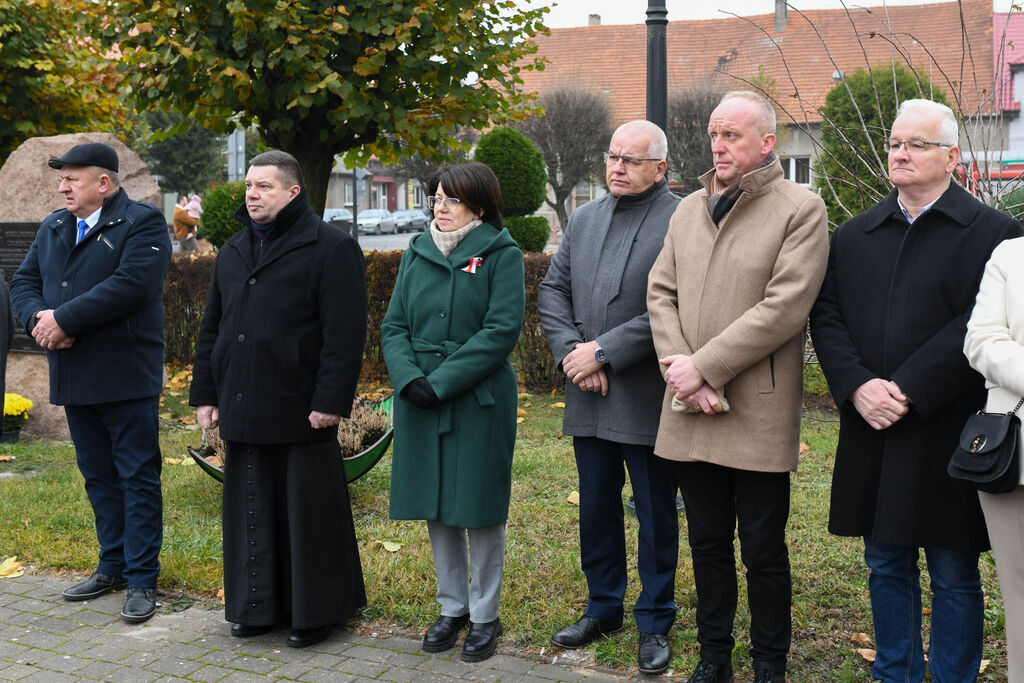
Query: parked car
(340, 217)
(377, 221)
(411, 220)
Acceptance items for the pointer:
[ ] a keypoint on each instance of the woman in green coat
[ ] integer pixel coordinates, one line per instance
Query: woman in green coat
(454, 317)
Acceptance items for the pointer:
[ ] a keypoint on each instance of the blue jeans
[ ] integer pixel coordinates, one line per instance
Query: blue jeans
(957, 618)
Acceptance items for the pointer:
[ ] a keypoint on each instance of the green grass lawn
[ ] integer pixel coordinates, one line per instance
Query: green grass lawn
(45, 518)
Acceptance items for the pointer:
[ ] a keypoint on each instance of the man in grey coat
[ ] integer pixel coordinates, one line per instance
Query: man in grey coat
(594, 310)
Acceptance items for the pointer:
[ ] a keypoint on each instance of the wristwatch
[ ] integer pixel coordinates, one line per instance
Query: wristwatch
(599, 355)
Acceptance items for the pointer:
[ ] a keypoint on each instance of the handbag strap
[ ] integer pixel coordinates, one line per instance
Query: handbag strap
(1017, 407)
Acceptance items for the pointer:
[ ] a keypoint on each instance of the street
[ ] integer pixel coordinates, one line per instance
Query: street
(385, 242)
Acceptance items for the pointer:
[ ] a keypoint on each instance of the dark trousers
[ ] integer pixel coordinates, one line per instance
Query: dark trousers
(118, 450)
(718, 499)
(603, 536)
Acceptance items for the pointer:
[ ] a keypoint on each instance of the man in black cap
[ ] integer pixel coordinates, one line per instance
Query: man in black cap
(90, 292)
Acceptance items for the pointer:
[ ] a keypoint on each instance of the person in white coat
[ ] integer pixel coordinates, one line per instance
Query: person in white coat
(994, 345)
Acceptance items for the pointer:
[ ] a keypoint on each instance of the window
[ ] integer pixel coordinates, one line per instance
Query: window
(797, 169)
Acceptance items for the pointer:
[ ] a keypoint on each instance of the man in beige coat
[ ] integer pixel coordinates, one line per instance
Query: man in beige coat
(728, 299)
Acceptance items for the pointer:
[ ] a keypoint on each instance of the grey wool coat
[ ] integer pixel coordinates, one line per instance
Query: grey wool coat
(596, 288)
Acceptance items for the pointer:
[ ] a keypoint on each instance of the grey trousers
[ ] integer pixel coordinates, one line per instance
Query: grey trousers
(1004, 516)
(457, 593)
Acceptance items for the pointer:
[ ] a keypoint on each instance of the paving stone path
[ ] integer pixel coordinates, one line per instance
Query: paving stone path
(47, 639)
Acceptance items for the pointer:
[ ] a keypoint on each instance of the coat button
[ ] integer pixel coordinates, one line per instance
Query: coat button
(444, 314)
(238, 396)
(64, 283)
(437, 353)
(252, 542)
(254, 604)
(241, 337)
(252, 281)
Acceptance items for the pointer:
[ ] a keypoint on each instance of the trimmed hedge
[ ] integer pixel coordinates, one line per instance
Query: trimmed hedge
(381, 272)
(185, 287)
(519, 166)
(532, 357)
(530, 232)
(188, 280)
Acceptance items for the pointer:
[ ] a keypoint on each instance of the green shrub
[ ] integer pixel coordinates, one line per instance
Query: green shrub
(1013, 204)
(218, 223)
(519, 167)
(530, 232)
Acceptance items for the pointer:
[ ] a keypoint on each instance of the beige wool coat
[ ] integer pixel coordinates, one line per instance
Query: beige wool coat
(736, 297)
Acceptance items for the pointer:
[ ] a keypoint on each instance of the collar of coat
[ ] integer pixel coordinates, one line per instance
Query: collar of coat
(113, 205)
(956, 203)
(294, 226)
(481, 241)
(645, 197)
(755, 182)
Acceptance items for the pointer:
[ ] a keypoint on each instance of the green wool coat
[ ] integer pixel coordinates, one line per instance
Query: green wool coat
(455, 321)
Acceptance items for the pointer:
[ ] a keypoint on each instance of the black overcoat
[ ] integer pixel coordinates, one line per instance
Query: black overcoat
(894, 305)
(283, 331)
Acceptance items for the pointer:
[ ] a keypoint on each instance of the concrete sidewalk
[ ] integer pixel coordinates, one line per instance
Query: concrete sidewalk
(45, 638)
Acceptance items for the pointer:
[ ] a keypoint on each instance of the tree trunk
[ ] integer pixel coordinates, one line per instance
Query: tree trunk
(316, 162)
(559, 206)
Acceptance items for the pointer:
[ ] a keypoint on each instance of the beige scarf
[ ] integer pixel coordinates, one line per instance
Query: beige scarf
(447, 241)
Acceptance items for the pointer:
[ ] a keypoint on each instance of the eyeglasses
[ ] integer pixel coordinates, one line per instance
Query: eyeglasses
(913, 146)
(447, 202)
(613, 159)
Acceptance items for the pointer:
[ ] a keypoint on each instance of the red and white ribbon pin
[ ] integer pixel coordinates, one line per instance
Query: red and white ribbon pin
(473, 263)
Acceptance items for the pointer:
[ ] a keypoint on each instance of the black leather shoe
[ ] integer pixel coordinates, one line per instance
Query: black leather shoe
(244, 631)
(95, 586)
(481, 641)
(584, 631)
(653, 654)
(444, 633)
(768, 675)
(304, 637)
(139, 605)
(709, 672)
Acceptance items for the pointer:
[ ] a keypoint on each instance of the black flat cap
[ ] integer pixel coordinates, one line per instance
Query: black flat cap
(89, 154)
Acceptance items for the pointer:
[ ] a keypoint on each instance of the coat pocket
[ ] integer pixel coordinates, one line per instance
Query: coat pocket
(765, 372)
(484, 395)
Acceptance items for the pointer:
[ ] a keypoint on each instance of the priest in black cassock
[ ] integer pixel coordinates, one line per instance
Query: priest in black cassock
(276, 367)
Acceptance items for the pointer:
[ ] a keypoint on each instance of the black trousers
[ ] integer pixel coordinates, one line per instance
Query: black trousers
(603, 536)
(718, 500)
(290, 552)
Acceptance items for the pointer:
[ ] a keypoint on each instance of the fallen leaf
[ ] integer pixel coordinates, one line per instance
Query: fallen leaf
(574, 498)
(528, 404)
(166, 416)
(984, 665)
(6, 458)
(520, 420)
(558, 405)
(220, 594)
(11, 568)
(170, 461)
(862, 639)
(390, 546)
(187, 420)
(804, 448)
(868, 655)
(926, 611)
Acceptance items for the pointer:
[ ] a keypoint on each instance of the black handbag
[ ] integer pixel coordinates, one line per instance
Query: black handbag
(988, 456)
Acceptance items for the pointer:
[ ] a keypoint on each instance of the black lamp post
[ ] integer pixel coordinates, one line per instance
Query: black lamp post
(657, 64)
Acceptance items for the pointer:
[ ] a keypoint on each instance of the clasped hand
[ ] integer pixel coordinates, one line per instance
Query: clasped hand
(48, 333)
(880, 402)
(688, 385)
(581, 367)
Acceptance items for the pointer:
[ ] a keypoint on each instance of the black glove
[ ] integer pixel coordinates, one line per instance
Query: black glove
(420, 393)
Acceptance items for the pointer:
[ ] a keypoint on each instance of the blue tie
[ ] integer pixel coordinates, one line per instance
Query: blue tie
(83, 228)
